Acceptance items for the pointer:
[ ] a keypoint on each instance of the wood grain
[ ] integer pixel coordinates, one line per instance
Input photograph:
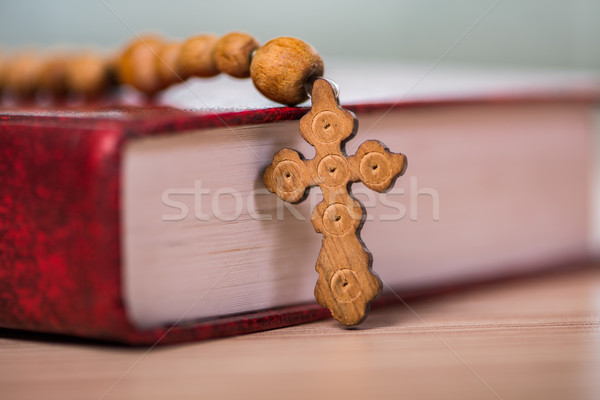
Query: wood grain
(282, 67)
(196, 57)
(137, 65)
(167, 63)
(346, 284)
(232, 54)
(87, 74)
(52, 76)
(527, 339)
(21, 74)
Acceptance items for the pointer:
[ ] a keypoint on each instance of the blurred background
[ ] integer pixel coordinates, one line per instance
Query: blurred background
(521, 33)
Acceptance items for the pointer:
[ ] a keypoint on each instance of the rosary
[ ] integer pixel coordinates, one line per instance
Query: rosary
(285, 70)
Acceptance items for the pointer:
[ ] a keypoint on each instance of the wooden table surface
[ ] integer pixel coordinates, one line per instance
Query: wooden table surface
(523, 339)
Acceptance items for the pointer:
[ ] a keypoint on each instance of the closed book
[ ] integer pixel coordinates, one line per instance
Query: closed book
(146, 224)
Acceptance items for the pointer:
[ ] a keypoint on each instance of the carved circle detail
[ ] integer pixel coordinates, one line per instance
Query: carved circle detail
(345, 285)
(333, 170)
(288, 176)
(338, 219)
(374, 168)
(327, 127)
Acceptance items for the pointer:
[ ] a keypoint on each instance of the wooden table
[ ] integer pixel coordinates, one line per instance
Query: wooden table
(536, 338)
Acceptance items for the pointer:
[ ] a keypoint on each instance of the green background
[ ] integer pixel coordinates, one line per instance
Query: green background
(512, 33)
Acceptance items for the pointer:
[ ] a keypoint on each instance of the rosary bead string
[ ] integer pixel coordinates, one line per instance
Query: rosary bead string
(281, 69)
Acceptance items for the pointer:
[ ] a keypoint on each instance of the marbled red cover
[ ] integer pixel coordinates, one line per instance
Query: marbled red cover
(60, 252)
(59, 222)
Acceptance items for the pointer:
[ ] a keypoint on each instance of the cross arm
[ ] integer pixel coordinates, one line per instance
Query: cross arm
(288, 176)
(375, 166)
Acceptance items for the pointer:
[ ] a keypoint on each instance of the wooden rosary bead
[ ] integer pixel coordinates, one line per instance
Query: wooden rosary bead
(2, 70)
(282, 67)
(87, 74)
(196, 57)
(137, 65)
(232, 54)
(167, 65)
(22, 75)
(53, 74)
(282, 70)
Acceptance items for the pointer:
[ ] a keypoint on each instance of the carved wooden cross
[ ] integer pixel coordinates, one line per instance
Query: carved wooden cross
(346, 284)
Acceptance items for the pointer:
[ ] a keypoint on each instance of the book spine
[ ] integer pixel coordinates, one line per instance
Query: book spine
(59, 229)
(60, 256)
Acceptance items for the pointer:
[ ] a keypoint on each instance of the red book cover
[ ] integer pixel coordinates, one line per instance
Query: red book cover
(60, 249)
(59, 218)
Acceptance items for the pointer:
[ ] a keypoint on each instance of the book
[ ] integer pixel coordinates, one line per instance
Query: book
(150, 224)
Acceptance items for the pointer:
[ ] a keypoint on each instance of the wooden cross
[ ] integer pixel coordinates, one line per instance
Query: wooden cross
(346, 284)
